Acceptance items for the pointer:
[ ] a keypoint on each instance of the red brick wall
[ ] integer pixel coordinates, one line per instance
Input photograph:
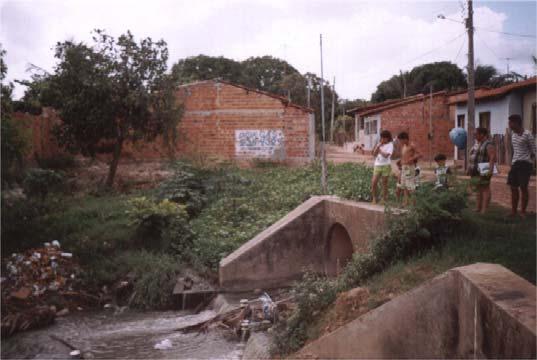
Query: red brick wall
(213, 111)
(414, 119)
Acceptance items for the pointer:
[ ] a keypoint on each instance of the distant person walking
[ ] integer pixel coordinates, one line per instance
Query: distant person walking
(523, 150)
(383, 165)
(409, 159)
(482, 160)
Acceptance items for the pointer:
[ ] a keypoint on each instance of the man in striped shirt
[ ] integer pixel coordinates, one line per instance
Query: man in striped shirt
(523, 150)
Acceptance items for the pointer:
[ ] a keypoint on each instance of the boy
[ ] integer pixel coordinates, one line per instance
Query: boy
(442, 172)
(382, 167)
(409, 158)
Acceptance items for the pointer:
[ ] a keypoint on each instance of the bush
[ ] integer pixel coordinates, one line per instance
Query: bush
(161, 225)
(39, 182)
(185, 187)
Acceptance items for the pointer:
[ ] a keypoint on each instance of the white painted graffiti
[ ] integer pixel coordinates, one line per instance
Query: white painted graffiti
(259, 142)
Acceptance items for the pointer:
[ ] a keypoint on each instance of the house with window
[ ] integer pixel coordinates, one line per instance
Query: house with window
(493, 108)
(425, 117)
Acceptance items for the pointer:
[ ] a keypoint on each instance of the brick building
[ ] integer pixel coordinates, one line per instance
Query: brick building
(424, 117)
(229, 121)
(220, 121)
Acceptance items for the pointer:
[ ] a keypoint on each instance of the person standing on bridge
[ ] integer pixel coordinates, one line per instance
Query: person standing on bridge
(383, 165)
(409, 158)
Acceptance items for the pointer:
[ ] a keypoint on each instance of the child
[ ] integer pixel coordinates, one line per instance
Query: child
(442, 172)
(382, 168)
(417, 173)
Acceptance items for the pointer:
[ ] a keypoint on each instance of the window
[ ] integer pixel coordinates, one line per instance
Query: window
(370, 127)
(484, 120)
(361, 123)
(460, 120)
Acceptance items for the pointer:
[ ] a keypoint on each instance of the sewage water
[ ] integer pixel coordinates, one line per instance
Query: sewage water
(129, 335)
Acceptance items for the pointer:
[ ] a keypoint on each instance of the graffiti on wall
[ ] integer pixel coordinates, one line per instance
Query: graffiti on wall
(259, 143)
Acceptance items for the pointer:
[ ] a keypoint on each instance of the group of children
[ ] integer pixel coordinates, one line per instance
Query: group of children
(408, 178)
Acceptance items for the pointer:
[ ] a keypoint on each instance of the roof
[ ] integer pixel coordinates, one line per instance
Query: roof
(485, 93)
(389, 104)
(283, 99)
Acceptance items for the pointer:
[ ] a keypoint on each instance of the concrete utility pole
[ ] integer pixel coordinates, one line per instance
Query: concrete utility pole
(404, 83)
(333, 111)
(431, 125)
(324, 187)
(507, 60)
(471, 94)
(309, 91)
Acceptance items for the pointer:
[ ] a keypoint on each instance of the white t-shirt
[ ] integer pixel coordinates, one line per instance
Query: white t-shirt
(381, 160)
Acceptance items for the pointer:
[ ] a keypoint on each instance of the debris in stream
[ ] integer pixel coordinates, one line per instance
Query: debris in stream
(164, 345)
(38, 283)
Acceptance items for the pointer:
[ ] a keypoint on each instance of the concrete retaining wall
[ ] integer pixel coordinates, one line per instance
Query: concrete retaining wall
(279, 254)
(476, 311)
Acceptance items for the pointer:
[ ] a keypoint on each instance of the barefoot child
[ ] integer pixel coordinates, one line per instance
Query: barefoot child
(442, 172)
(382, 167)
(409, 158)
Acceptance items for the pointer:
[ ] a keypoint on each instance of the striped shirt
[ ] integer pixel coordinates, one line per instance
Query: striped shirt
(523, 146)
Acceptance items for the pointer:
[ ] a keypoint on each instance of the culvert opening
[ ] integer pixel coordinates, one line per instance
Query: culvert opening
(338, 250)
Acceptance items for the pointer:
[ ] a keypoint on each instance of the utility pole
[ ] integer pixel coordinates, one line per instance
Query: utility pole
(507, 60)
(333, 110)
(430, 125)
(324, 187)
(404, 83)
(471, 94)
(309, 91)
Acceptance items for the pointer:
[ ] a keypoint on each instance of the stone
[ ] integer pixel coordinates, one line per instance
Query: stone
(62, 312)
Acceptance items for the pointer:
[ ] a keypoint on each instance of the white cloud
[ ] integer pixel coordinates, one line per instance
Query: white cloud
(364, 42)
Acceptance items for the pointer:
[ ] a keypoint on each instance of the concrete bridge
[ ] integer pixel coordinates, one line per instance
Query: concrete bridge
(321, 234)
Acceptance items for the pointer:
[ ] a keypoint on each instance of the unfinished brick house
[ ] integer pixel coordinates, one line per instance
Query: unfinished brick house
(229, 121)
(424, 117)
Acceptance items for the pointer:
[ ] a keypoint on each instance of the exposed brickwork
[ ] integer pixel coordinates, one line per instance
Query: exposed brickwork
(413, 118)
(213, 111)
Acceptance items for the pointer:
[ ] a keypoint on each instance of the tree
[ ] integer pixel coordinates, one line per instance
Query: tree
(441, 75)
(105, 94)
(266, 73)
(484, 75)
(203, 67)
(14, 139)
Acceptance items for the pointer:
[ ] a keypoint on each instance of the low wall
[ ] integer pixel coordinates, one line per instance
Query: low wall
(279, 254)
(481, 310)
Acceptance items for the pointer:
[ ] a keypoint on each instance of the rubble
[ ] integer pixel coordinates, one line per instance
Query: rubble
(39, 285)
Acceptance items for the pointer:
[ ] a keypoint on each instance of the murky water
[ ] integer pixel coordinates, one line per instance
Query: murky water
(131, 335)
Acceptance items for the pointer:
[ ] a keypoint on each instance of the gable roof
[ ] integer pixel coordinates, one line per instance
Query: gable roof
(283, 99)
(487, 93)
(389, 104)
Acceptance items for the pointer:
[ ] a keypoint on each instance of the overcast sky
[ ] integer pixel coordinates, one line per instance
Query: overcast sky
(364, 42)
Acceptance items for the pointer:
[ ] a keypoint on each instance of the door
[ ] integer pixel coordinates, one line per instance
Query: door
(371, 132)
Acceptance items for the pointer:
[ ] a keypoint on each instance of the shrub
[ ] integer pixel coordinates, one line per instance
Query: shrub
(161, 225)
(39, 182)
(185, 187)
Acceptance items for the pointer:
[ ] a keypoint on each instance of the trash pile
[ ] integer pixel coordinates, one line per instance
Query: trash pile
(38, 285)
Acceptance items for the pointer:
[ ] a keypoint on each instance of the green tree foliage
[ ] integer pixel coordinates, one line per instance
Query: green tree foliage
(484, 74)
(106, 94)
(14, 138)
(441, 75)
(266, 73)
(203, 67)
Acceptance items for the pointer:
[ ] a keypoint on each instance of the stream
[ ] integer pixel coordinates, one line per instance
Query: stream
(131, 334)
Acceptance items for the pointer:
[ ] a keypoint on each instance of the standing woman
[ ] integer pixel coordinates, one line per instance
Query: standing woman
(483, 152)
(383, 165)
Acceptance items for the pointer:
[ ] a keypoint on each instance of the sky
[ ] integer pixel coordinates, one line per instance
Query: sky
(364, 42)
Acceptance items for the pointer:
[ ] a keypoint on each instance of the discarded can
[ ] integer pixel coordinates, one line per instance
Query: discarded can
(66, 255)
(56, 243)
(75, 354)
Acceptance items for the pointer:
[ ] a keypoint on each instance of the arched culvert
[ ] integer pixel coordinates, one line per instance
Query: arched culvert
(338, 250)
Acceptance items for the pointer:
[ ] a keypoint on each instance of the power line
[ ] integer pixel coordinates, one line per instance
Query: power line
(488, 47)
(458, 52)
(435, 49)
(489, 30)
